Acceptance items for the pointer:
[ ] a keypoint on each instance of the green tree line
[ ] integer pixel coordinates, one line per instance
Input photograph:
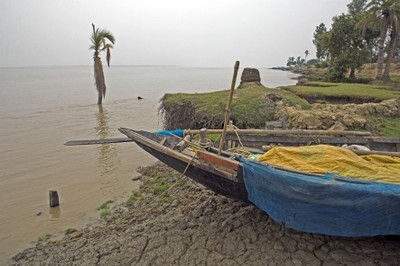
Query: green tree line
(368, 33)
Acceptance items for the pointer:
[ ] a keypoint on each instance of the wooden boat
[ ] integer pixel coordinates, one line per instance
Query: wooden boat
(325, 204)
(225, 180)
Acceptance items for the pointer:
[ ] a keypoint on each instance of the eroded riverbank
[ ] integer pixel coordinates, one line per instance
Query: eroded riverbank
(175, 221)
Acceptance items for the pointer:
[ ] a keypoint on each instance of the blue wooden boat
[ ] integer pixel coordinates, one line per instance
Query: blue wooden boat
(325, 204)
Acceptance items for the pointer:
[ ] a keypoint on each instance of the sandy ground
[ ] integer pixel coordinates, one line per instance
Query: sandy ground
(189, 225)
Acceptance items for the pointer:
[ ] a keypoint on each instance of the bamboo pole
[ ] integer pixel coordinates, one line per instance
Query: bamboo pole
(228, 107)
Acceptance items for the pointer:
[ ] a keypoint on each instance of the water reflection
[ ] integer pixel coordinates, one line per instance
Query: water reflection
(108, 154)
(55, 212)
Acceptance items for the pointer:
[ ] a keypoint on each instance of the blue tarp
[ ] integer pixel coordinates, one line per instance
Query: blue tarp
(329, 204)
(176, 132)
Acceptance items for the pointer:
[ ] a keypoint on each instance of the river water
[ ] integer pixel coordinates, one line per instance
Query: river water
(41, 108)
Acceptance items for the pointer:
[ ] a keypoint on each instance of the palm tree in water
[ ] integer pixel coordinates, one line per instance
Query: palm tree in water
(101, 40)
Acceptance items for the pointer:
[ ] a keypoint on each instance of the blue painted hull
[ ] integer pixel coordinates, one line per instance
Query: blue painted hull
(328, 204)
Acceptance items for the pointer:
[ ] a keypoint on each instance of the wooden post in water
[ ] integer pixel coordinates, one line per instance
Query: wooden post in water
(228, 107)
(53, 198)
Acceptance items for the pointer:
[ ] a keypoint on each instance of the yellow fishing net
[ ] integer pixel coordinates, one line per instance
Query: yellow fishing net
(325, 158)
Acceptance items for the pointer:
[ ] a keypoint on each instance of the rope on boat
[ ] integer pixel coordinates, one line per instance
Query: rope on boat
(241, 150)
(190, 162)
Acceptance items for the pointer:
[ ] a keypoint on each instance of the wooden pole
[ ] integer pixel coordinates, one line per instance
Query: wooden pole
(53, 198)
(228, 107)
(283, 132)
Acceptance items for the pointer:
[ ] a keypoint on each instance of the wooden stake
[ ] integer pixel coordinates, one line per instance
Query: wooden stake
(228, 107)
(53, 198)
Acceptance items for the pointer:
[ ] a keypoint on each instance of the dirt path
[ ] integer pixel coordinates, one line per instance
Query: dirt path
(189, 225)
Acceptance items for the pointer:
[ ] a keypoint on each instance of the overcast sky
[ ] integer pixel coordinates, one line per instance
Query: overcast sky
(215, 33)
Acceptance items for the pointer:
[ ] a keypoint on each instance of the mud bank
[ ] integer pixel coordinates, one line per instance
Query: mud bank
(174, 221)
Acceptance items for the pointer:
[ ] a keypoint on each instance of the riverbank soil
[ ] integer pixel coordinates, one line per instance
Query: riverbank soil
(171, 220)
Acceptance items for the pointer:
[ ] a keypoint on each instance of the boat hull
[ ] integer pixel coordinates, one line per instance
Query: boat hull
(232, 188)
(325, 204)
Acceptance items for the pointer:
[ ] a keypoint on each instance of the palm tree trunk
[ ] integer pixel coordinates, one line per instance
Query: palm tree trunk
(391, 49)
(100, 99)
(99, 80)
(381, 46)
(352, 73)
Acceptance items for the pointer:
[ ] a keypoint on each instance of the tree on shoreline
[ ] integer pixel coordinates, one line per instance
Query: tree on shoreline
(344, 46)
(321, 42)
(385, 14)
(101, 40)
(347, 48)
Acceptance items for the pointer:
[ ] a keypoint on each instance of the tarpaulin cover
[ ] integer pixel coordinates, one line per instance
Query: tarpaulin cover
(325, 158)
(176, 132)
(327, 204)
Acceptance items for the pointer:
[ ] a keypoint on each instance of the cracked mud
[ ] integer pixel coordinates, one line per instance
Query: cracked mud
(187, 224)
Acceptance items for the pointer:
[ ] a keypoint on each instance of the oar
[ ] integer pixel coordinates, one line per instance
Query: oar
(96, 141)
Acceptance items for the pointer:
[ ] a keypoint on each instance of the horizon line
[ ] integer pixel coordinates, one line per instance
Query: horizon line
(133, 65)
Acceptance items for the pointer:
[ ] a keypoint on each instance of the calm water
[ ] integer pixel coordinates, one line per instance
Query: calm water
(41, 108)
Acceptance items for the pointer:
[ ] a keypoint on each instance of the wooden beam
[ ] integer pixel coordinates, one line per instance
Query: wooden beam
(282, 132)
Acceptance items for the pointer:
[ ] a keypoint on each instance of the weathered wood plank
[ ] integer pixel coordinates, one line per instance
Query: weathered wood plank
(218, 160)
(283, 132)
(298, 140)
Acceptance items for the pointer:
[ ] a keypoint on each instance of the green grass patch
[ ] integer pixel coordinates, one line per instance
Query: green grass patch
(249, 108)
(160, 188)
(212, 137)
(105, 205)
(159, 182)
(246, 98)
(70, 231)
(134, 197)
(395, 78)
(350, 91)
(44, 238)
(388, 127)
(104, 213)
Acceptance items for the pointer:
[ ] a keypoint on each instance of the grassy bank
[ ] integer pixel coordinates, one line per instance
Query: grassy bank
(343, 92)
(383, 126)
(251, 107)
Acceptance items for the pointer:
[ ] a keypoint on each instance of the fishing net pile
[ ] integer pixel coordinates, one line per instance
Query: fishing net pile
(325, 158)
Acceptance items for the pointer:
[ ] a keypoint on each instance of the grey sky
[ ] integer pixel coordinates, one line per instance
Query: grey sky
(259, 33)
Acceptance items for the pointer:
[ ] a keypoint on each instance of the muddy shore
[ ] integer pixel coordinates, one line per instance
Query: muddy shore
(174, 221)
